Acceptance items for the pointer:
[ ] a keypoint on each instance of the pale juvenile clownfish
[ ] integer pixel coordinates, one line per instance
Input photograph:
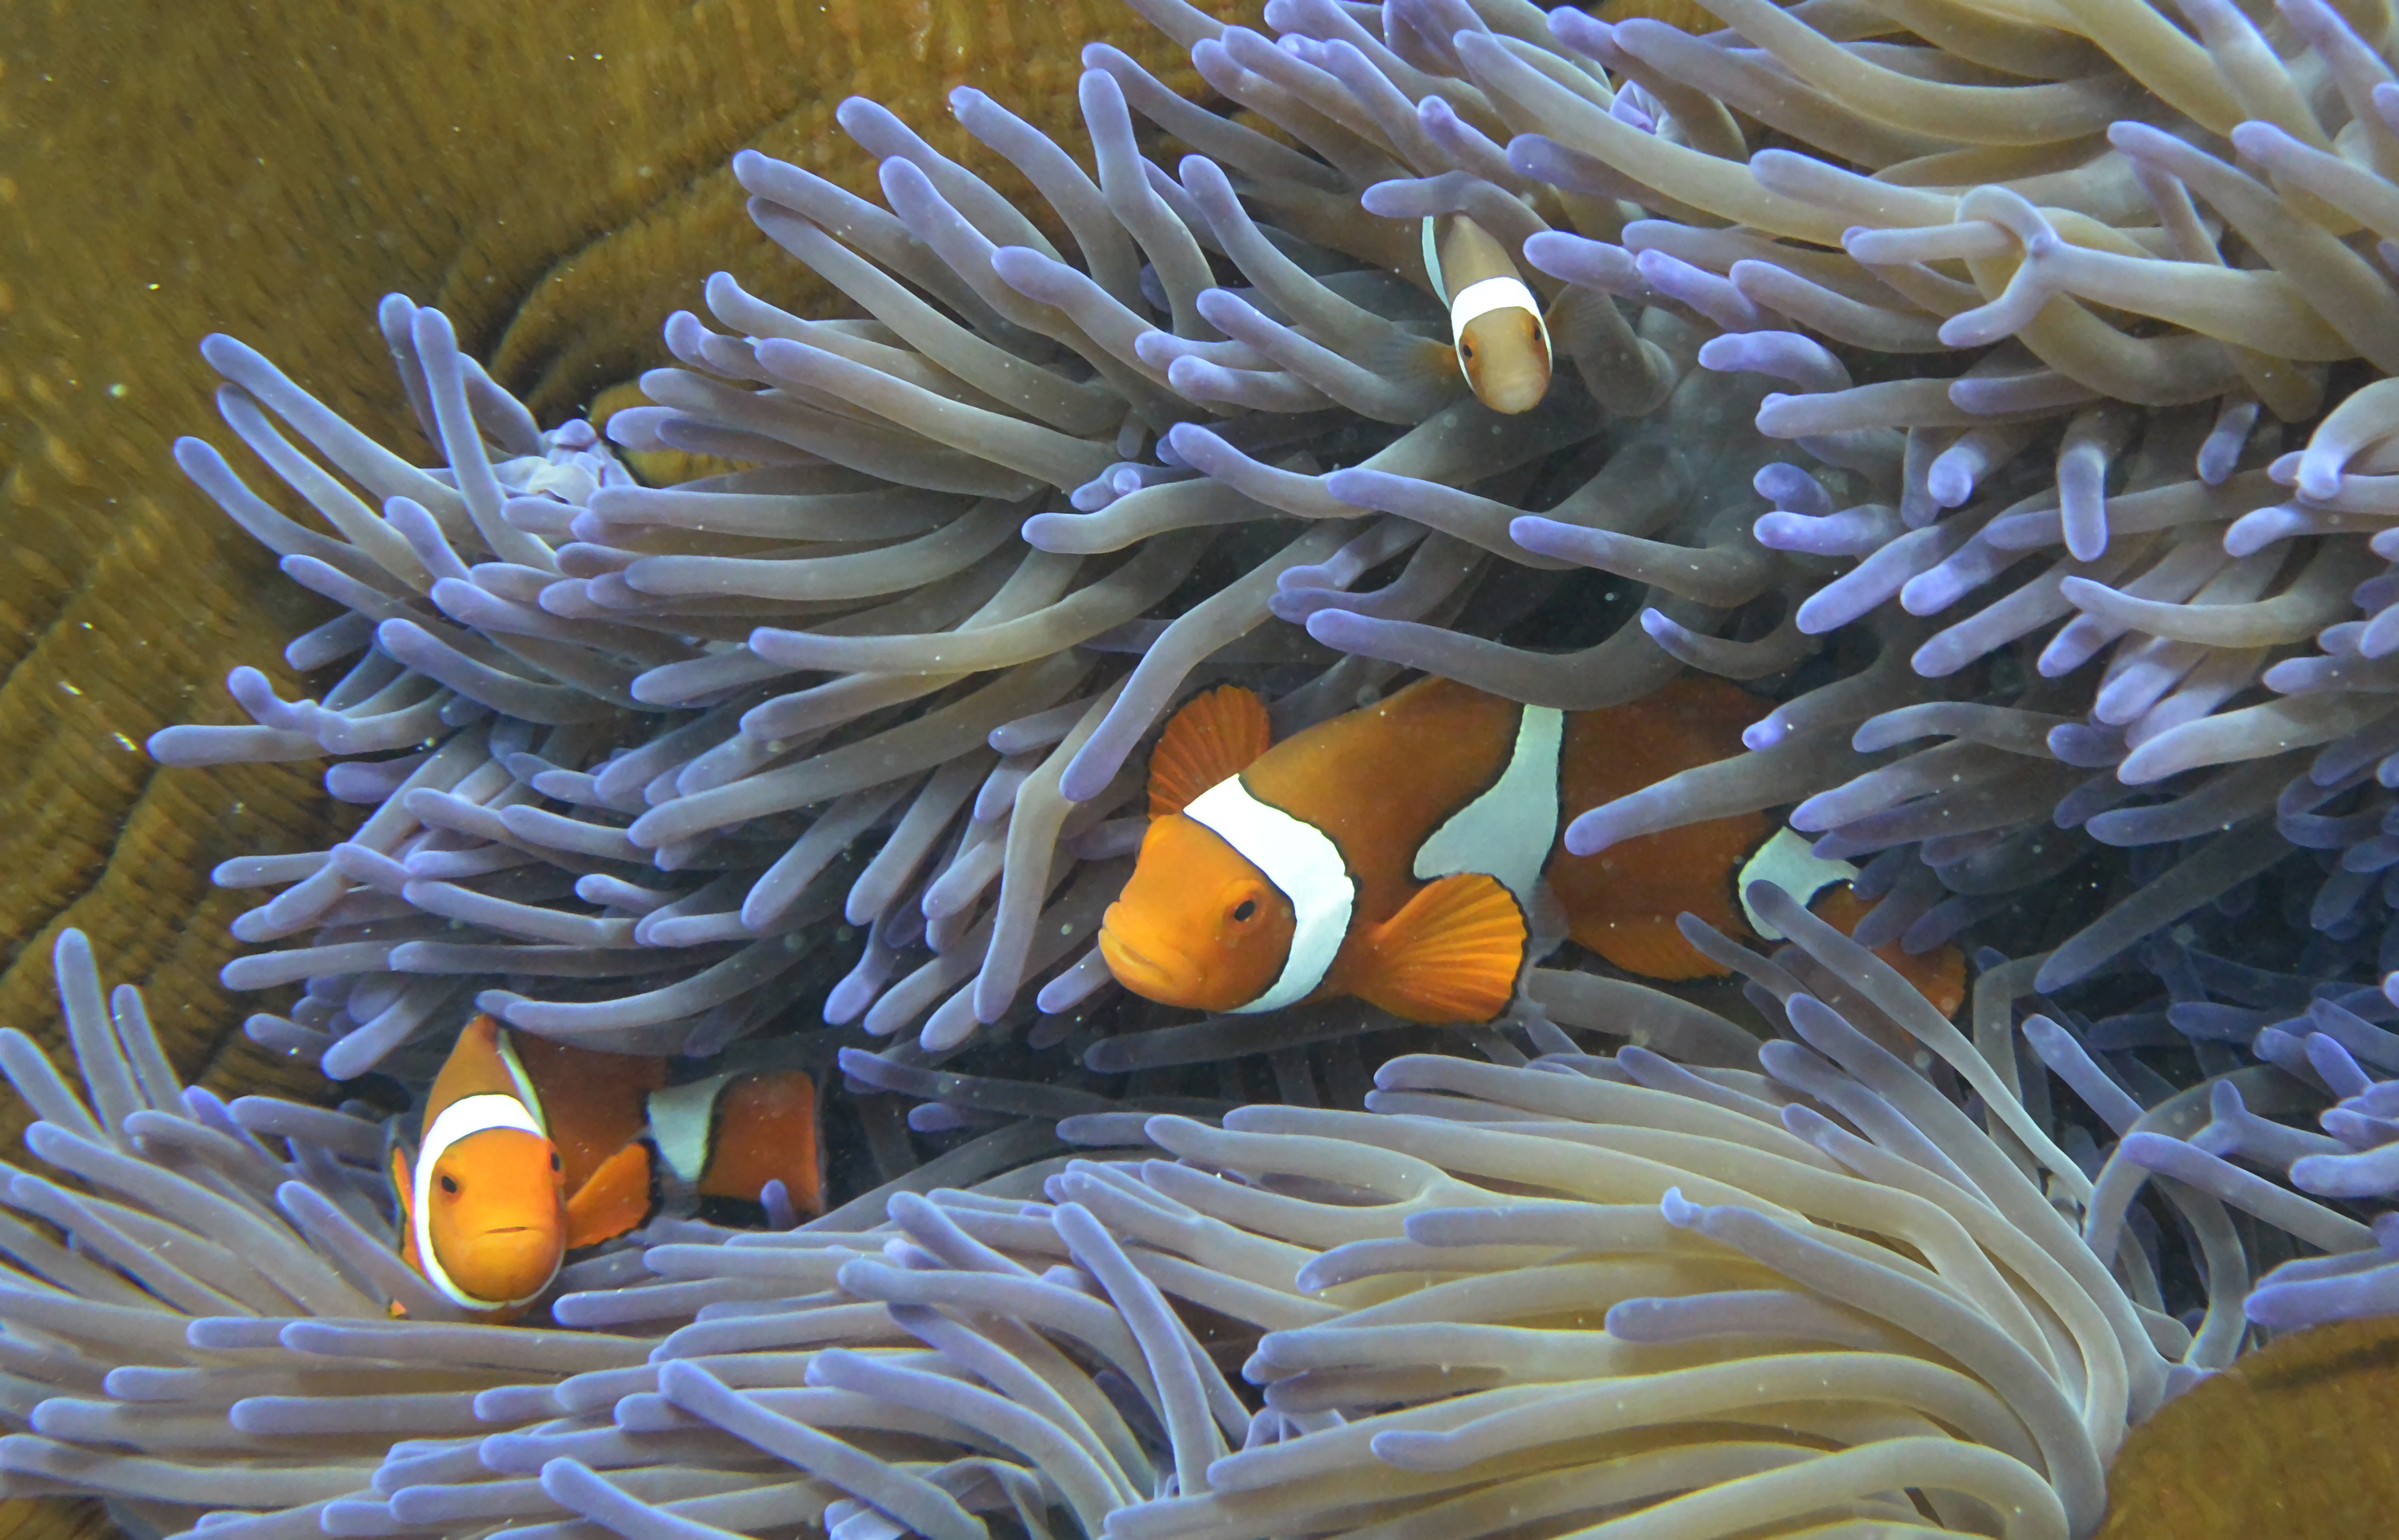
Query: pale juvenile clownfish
(1393, 853)
(530, 1149)
(1495, 322)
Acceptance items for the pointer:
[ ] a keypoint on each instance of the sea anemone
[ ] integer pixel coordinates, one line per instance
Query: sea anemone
(149, 1354)
(627, 739)
(656, 720)
(224, 1331)
(2217, 1135)
(2101, 610)
(1843, 1292)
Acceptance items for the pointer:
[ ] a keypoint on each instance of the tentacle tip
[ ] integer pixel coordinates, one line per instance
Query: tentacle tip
(1408, 1450)
(2058, 972)
(1594, 832)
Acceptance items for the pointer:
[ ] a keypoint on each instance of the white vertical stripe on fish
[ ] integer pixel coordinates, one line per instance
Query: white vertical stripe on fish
(1510, 829)
(1790, 863)
(1302, 862)
(1485, 295)
(680, 1119)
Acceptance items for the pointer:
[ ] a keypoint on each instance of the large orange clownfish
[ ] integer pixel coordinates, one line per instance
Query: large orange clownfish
(1393, 853)
(529, 1149)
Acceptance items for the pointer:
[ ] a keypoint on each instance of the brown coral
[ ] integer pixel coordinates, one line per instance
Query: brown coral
(2244, 1453)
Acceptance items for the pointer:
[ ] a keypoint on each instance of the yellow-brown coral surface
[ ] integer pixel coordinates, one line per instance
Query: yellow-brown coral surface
(2293, 1440)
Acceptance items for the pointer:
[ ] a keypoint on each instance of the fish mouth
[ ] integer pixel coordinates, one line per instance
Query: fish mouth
(1137, 971)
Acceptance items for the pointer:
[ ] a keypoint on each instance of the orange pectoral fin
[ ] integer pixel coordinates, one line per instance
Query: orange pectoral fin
(398, 1156)
(1451, 954)
(618, 1197)
(1214, 737)
(400, 1189)
(1938, 974)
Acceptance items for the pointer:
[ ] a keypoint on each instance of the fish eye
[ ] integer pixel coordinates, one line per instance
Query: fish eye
(449, 1183)
(1466, 350)
(1245, 911)
(553, 1160)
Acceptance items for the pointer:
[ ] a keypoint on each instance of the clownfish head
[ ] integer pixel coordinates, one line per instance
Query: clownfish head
(1506, 356)
(495, 1216)
(1198, 924)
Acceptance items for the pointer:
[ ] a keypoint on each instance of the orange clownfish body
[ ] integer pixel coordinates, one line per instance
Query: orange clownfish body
(1393, 853)
(1495, 322)
(530, 1149)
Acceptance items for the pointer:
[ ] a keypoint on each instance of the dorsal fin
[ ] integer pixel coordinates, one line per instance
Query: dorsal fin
(401, 1161)
(1214, 737)
(477, 1065)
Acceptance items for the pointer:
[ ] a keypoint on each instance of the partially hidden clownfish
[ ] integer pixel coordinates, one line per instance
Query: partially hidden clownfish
(1495, 322)
(529, 1149)
(1393, 853)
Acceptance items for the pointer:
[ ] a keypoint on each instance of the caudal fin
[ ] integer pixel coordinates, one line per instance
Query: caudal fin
(766, 1131)
(402, 1163)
